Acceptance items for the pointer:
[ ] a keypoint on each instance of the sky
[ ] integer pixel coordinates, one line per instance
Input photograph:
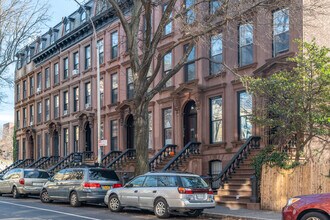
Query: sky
(57, 10)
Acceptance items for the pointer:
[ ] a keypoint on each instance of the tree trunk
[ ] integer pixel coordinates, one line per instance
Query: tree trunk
(141, 138)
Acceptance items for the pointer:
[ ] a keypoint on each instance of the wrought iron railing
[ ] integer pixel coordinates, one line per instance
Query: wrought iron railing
(88, 155)
(64, 163)
(37, 162)
(192, 148)
(163, 153)
(127, 155)
(109, 157)
(12, 166)
(50, 161)
(25, 163)
(251, 143)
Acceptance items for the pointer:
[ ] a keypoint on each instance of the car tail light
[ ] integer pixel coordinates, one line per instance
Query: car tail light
(185, 190)
(117, 185)
(210, 192)
(92, 185)
(21, 181)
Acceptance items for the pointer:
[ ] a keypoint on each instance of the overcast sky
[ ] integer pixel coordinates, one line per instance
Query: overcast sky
(57, 10)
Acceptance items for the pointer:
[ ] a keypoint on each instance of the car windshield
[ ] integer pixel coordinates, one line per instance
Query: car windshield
(36, 174)
(193, 182)
(97, 174)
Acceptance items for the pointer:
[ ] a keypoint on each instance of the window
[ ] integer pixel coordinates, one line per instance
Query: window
(47, 148)
(190, 14)
(24, 117)
(31, 85)
(65, 141)
(39, 109)
(216, 54)
(31, 114)
(75, 138)
(47, 109)
(88, 93)
(216, 119)
(28, 55)
(189, 68)
(65, 68)
(24, 149)
(47, 78)
(39, 82)
(214, 6)
(39, 151)
(101, 92)
(18, 119)
(102, 131)
(167, 126)
(76, 61)
(114, 88)
(67, 27)
(88, 61)
(114, 135)
(18, 92)
(65, 103)
(76, 99)
(138, 181)
(83, 17)
(130, 83)
(56, 74)
(167, 67)
(24, 89)
(56, 106)
(281, 29)
(244, 115)
(114, 44)
(168, 25)
(151, 181)
(245, 44)
(150, 125)
(101, 51)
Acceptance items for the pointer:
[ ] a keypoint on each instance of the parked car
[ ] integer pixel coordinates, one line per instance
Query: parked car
(308, 207)
(78, 185)
(22, 181)
(163, 193)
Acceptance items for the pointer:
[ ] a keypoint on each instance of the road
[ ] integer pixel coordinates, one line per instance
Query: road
(33, 209)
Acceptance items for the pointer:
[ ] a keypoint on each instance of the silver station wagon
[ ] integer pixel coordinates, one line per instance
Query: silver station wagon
(21, 181)
(163, 193)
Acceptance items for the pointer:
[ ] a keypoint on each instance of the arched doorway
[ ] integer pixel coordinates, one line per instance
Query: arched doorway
(31, 147)
(88, 137)
(130, 132)
(56, 144)
(190, 122)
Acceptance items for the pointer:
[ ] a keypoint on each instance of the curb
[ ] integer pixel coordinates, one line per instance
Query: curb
(230, 217)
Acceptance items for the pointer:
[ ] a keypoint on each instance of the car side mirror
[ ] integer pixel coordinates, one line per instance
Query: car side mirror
(129, 185)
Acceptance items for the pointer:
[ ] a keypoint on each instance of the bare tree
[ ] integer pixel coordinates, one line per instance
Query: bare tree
(195, 21)
(20, 21)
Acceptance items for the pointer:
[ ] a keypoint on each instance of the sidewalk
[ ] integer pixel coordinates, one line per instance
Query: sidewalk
(241, 214)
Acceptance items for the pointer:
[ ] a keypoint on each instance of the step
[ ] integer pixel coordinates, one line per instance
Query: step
(236, 187)
(233, 205)
(235, 198)
(239, 181)
(241, 175)
(234, 192)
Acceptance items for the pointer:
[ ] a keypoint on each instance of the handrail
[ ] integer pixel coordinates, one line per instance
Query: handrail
(62, 164)
(190, 148)
(252, 142)
(160, 155)
(129, 154)
(49, 161)
(25, 163)
(13, 165)
(36, 163)
(110, 156)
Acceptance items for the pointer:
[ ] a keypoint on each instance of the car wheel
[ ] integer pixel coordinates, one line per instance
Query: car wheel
(314, 216)
(44, 197)
(16, 194)
(74, 201)
(161, 208)
(114, 204)
(195, 212)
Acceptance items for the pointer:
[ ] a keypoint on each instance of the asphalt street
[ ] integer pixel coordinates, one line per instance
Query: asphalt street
(32, 208)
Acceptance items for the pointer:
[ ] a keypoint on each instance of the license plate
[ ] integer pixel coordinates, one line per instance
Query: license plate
(37, 184)
(199, 196)
(105, 187)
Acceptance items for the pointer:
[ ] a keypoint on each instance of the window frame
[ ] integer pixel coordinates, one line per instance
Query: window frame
(164, 128)
(114, 44)
(190, 62)
(214, 72)
(241, 46)
(239, 116)
(88, 57)
(212, 141)
(169, 83)
(274, 35)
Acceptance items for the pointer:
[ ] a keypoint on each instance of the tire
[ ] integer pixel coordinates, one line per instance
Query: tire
(314, 216)
(74, 201)
(161, 208)
(114, 204)
(16, 194)
(195, 212)
(44, 197)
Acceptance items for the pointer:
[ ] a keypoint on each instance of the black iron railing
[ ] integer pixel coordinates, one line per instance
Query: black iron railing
(166, 151)
(252, 143)
(64, 163)
(88, 155)
(50, 161)
(12, 166)
(192, 148)
(37, 162)
(109, 157)
(25, 163)
(127, 155)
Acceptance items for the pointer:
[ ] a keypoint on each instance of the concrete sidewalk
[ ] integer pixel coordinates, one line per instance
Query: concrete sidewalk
(221, 212)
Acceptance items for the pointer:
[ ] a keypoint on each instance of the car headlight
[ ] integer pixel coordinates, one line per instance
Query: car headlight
(292, 200)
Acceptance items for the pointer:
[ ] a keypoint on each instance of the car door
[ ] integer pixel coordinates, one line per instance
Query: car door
(13, 179)
(129, 194)
(53, 184)
(147, 193)
(64, 184)
(4, 183)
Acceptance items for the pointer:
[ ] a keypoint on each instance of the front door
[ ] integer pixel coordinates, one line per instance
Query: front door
(31, 146)
(190, 122)
(55, 144)
(88, 138)
(130, 132)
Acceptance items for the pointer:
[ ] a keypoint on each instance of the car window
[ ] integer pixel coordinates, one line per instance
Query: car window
(67, 175)
(151, 181)
(193, 182)
(77, 175)
(167, 181)
(35, 174)
(6, 176)
(15, 174)
(98, 174)
(59, 175)
(138, 182)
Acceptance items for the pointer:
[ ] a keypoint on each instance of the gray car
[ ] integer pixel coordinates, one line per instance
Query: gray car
(21, 181)
(78, 185)
(163, 193)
